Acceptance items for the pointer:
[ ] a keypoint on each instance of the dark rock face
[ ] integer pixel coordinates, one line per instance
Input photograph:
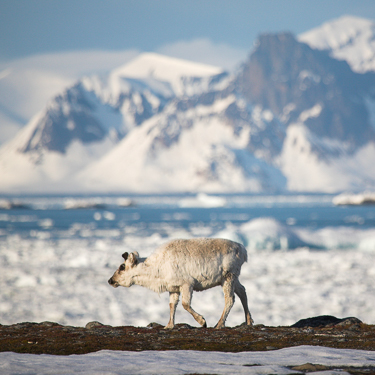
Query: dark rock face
(137, 101)
(289, 77)
(324, 321)
(93, 325)
(69, 117)
(74, 115)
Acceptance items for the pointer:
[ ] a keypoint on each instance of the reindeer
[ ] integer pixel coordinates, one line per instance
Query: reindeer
(182, 266)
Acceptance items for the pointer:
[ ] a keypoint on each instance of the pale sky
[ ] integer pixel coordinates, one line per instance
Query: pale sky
(31, 27)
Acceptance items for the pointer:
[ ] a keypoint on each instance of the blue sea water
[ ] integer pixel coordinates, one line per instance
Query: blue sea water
(153, 213)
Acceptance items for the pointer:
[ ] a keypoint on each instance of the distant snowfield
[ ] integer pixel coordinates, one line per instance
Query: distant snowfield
(185, 362)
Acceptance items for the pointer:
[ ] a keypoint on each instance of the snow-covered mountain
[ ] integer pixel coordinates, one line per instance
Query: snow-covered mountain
(83, 123)
(28, 83)
(295, 116)
(346, 38)
(206, 143)
(300, 84)
(326, 108)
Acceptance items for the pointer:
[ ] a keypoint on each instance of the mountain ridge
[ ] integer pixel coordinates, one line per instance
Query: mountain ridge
(347, 38)
(292, 118)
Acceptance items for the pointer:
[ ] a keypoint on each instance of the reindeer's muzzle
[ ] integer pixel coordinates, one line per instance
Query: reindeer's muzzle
(115, 284)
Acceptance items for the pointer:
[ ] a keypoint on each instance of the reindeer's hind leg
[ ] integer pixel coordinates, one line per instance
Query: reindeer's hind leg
(173, 301)
(186, 294)
(240, 290)
(228, 289)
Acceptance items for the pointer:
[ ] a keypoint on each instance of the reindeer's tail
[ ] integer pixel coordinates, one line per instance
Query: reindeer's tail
(242, 253)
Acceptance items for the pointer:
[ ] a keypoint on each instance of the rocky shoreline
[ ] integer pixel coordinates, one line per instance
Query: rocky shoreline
(53, 338)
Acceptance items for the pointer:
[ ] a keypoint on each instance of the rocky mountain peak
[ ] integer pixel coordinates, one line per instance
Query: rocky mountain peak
(291, 79)
(69, 116)
(346, 38)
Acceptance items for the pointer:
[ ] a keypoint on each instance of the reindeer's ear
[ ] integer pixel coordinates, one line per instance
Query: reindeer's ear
(125, 255)
(133, 258)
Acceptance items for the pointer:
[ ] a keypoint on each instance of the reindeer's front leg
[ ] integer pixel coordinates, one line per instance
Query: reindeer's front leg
(173, 301)
(186, 294)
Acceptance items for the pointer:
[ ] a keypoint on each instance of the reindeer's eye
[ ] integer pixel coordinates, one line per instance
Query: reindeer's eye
(122, 267)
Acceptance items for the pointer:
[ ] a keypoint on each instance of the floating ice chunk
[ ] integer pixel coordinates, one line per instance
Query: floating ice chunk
(354, 199)
(46, 223)
(269, 234)
(203, 200)
(125, 202)
(5, 204)
(109, 215)
(12, 204)
(75, 204)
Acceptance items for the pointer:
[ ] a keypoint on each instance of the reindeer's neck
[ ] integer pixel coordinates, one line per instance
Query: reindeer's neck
(148, 277)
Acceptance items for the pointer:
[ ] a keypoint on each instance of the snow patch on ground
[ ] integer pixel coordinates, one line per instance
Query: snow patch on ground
(185, 362)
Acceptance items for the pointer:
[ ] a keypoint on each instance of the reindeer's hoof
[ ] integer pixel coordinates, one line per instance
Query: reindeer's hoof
(202, 322)
(249, 321)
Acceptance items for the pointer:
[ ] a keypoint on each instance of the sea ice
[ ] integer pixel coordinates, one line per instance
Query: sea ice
(65, 280)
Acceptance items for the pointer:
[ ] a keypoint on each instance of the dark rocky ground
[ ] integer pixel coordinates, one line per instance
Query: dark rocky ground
(52, 338)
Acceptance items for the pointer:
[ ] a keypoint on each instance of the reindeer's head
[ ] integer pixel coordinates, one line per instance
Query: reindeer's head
(123, 275)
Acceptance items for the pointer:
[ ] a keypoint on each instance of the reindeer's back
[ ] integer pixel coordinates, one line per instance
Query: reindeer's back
(199, 258)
